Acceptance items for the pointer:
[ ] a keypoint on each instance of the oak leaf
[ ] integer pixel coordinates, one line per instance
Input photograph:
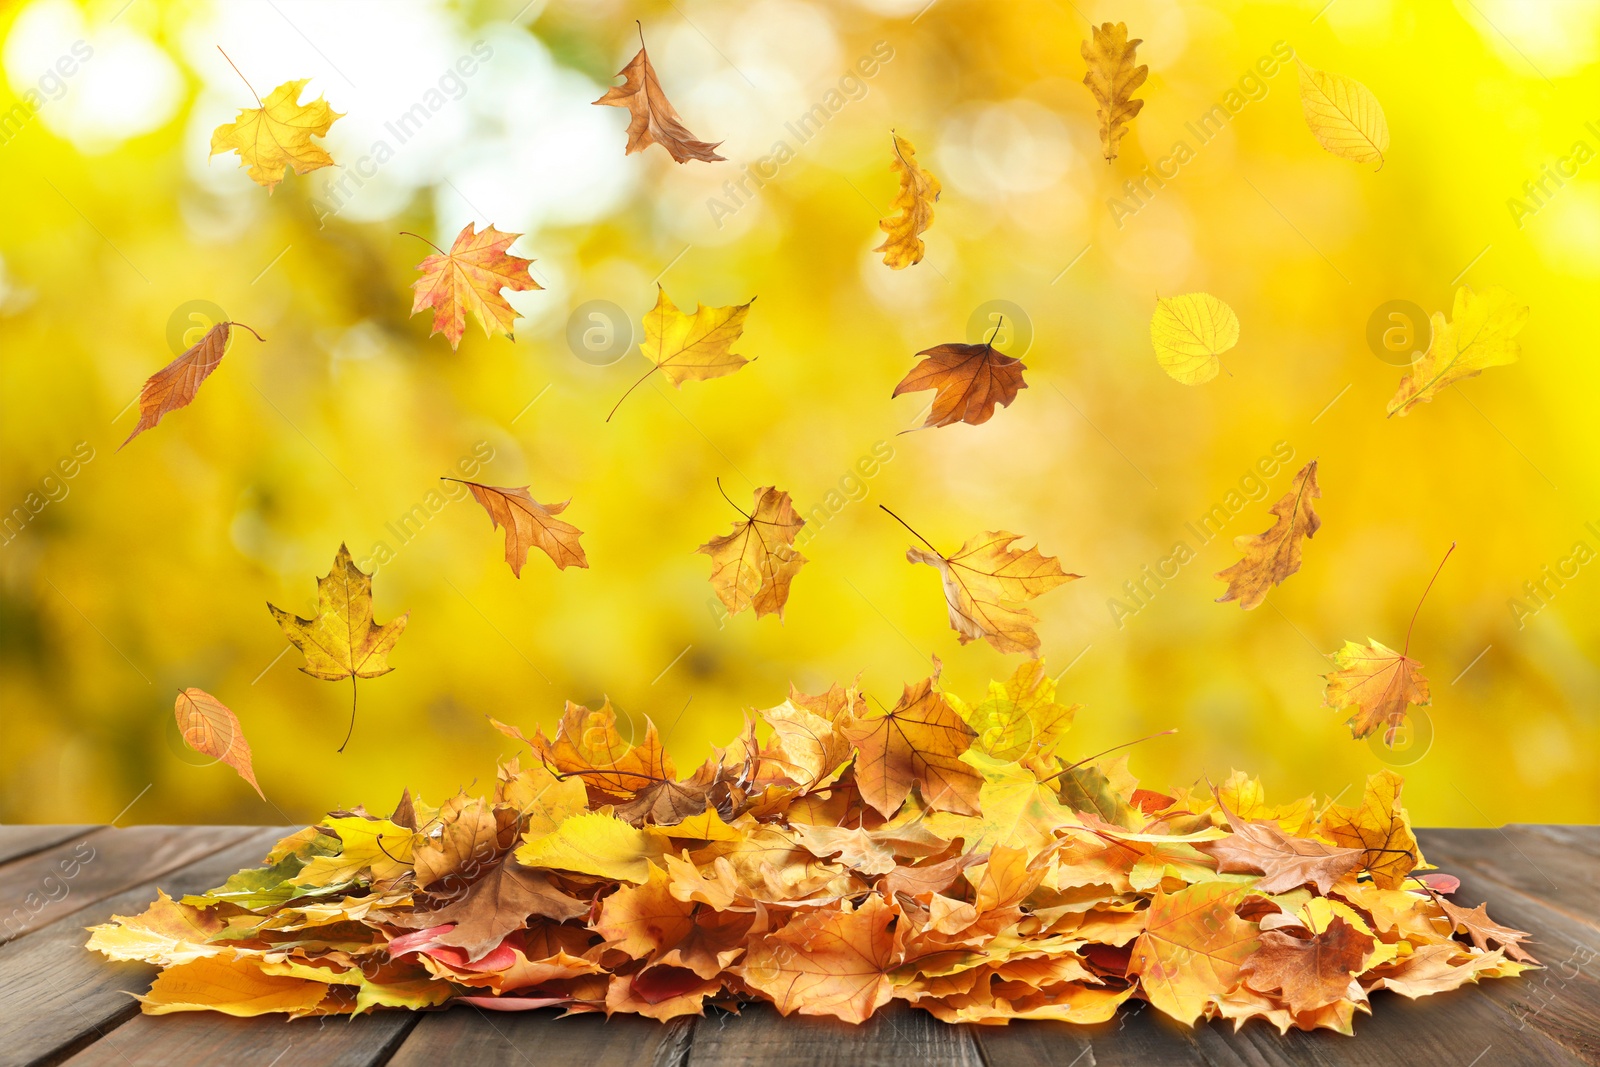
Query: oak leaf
(343, 641)
(210, 728)
(1344, 115)
(1481, 333)
(1476, 924)
(920, 741)
(690, 347)
(1192, 948)
(753, 565)
(919, 189)
(470, 277)
(970, 379)
(651, 117)
(277, 135)
(1112, 78)
(1377, 684)
(1310, 972)
(828, 962)
(495, 905)
(1380, 828)
(982, 581)
(175, 385)
(1433, 969)
(1272, 556)
(529, 524)
(1189, 332)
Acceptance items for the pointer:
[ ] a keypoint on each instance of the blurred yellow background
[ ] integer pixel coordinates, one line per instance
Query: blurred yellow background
(148, 570)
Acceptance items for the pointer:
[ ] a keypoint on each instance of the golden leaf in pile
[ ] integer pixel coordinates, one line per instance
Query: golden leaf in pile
(752, 566)
(1271, 557)
(277, 135)
(1378, 826)
(1192, 948)
(919, 189)
(529, 524)
(919, 742)
(651, 117)
(1482, 333)
(1344, 115)
(1112, 78)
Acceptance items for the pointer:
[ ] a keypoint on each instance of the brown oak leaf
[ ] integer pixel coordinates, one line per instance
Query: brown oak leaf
(651, 118)
(1271, 557)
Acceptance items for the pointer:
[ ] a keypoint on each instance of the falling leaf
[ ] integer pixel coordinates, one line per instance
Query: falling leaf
(919, 742)
(470, 277)
(1310, 972)
(211, 729)
(690, 347)
(1112, 78)
(343, 641)
(970, 379)
(1378, 684)
(753, 565)
(651, 118)
(529, 524)
(1481, 334)
(277, 135)
(1286, 861)
(1344, 115)
(1379, 827)
(986, 575)
(1271, 557)
(919, 189)
(1189, 332)
(1192, 948)
(175, 385)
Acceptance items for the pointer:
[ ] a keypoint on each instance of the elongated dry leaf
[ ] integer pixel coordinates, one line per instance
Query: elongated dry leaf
(914, 202)
(1271, 557)
(985, 579)
(753, 565)
(470, 277)
(1482, 333)
(970, 379)
(277, 135)
(1112, 78)
(209, 727)
(529, 524)
(175, 385)
(1189, 332)
(1344, 115)
(651, 118)
(1377, 684)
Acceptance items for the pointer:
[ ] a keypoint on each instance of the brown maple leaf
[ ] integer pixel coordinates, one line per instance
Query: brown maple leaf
(920, 741)
(1286, 862)
(492, 907)
(753, 565)
(529, 524)
(175, 385)
(1310, 972)
(1270, 557)
(1476, 924)
(970, 379)
(470, 277)
(651, 118)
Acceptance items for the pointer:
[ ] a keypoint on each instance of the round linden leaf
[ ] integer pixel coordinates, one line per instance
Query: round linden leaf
(1189, 332)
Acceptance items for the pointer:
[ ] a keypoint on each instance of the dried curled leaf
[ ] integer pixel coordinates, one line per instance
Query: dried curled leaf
(529, 524)
(1189, 332)
(919, 189)
(470, 277)
(277, 135)
(209, 727)
(175, 385)
(970, 379)
(1112, 78)
(1271, 557)
(1344, 115)
(1378, 684)
(754, 564)
(1482, 333)
(986, 575)
(651, 118)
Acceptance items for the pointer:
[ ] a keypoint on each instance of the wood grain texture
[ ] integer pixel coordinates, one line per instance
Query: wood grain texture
(1137, 1036)
(207, 1039)
(760, 1037)
(56, 995)
(19, 841)
(471, 1035)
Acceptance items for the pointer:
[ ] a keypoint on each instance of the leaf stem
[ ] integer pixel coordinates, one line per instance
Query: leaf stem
(352, 730)
(639, 24)
(242, 326)
(914, 533)
(1424, 596)
(424, 240)
(729, 499)
(653, 368)
(1113, 748)
(1001, 321)
(242, 78)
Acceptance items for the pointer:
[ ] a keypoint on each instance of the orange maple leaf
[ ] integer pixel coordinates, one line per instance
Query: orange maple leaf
(970, 379)
(471, 276)
(753, 566)
(829, 962)
(529, 524)
(920, 741)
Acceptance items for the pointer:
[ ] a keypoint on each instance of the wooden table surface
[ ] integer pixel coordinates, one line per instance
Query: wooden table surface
(60, 1003)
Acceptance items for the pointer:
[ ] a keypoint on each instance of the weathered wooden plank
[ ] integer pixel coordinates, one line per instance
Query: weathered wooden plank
(1563, 1001)
(1138, 1035)
(1583, 838)
(55, 995)
(41, 888)
(895, 1037)
(471, 1035)
(1559, 875)
(206, 1039)
(19, 841)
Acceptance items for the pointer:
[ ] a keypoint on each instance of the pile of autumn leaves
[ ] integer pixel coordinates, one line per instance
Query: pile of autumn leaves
(829, 860)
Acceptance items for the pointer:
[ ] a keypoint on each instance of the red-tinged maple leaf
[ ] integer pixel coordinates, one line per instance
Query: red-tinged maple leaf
(470, 277)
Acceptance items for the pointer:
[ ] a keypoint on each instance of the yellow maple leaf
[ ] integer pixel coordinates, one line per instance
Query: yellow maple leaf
(277, 135)
(1018, 717)
(1192, 948)
(1481, 334)
(1272, 556)
(1344, 116)
(1380, 828)
(752, 566)
(919, 189)
(1189, 332)
(690, 347)
(343, 641)
(594, 843)
(1378, 684)
(1112, 78)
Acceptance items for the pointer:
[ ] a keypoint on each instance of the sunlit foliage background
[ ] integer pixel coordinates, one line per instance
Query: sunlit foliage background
(149, 569)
